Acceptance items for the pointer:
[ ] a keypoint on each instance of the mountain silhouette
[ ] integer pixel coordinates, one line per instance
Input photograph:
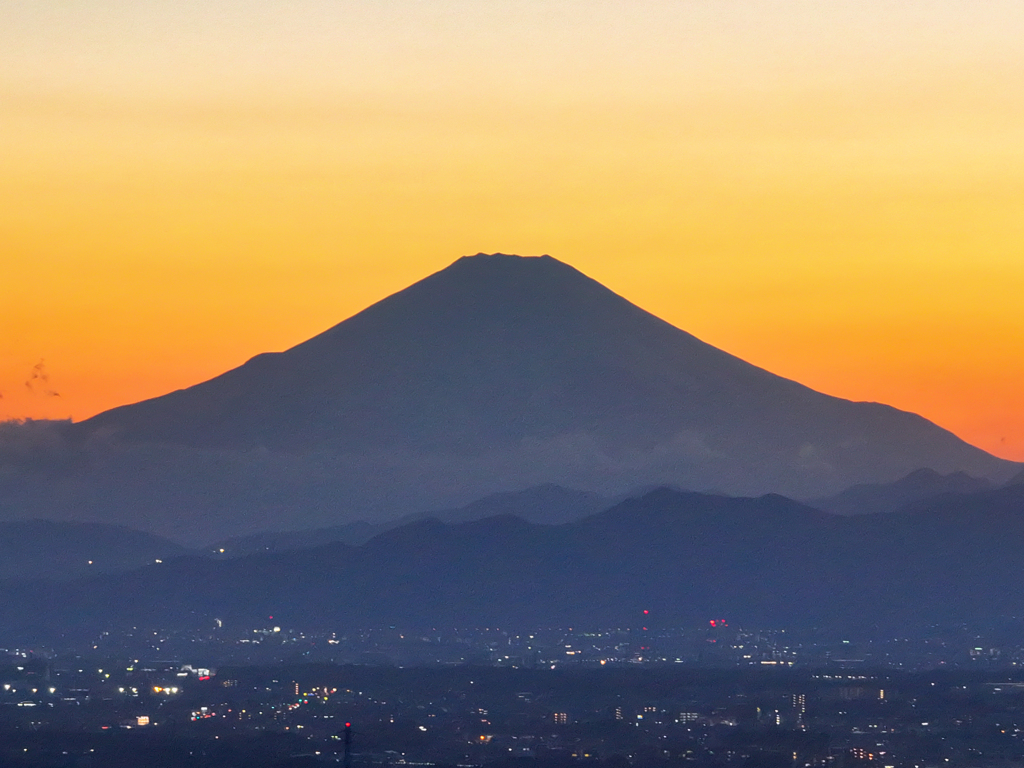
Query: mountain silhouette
(502, 353)
(767, 561)
(495, 374)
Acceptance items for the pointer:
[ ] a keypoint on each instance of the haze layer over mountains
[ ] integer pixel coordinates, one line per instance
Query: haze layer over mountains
(497, 373)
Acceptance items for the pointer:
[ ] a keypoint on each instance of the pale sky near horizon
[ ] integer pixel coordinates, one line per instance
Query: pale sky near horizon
(832, 191)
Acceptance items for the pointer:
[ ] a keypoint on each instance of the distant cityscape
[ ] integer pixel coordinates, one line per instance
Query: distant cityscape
(713, 695)
(717, 643)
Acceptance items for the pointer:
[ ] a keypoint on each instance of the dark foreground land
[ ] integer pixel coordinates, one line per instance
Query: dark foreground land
(77, 712)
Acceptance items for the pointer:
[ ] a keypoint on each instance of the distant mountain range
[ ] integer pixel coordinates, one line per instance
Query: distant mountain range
(919, 486)
(496, 373)
(63, 550)
(59, 550)
(543, 505)
(765, 561)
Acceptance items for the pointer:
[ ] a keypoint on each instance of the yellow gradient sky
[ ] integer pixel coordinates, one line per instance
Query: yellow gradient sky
(831, 190)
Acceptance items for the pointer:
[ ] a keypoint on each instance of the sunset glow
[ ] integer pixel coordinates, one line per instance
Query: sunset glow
(832, 191)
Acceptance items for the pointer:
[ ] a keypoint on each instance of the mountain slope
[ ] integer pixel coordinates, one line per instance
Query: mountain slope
(546, 504)
(47, 549)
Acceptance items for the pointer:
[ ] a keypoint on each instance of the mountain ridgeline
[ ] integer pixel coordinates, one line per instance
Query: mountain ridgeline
(498, 372)
(919, 486)
(766, 561)
(543, 505)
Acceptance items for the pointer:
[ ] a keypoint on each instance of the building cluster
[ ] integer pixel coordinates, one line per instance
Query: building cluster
(562, 707)
(711, 644)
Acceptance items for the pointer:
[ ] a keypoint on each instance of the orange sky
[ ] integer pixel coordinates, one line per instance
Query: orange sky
(833, 191)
